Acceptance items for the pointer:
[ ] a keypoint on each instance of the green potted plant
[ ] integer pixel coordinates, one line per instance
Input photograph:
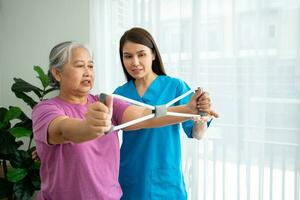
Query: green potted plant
(20, 174)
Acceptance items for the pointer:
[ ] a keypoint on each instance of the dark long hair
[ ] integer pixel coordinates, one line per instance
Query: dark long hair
(143, 37)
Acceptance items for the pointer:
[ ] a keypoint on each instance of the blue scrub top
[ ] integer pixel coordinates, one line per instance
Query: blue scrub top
(150, 165)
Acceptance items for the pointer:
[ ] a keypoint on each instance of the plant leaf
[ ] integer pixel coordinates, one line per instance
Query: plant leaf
(24, 117)
(42, 76)
(3, 112)
(51, 89)
(18, 132)
(24, 189)
(16, 174)
(19, 143)
(3, 123)
(35, 179)
(21, 159)
(13, 113)
(4, 156)
(6, 188)
(35, 166)
(8, 145)
(27, 99)
(25, 122)
(22, 86)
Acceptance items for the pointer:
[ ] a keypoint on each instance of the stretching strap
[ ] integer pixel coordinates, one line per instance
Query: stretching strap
(157, 111)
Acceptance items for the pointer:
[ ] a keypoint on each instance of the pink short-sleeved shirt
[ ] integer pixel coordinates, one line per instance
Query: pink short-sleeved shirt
(71, 171)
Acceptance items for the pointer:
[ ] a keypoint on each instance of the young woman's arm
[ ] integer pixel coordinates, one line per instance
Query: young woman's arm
(133, 112)
(199, 129)
(194, 106)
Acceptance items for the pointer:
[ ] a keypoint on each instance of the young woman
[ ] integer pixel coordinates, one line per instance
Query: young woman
(150, 165)
(78, 160)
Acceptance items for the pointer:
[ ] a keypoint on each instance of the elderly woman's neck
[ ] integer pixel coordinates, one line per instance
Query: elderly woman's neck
(73, 99)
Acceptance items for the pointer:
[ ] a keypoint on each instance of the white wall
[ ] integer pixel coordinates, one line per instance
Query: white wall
(28, 31)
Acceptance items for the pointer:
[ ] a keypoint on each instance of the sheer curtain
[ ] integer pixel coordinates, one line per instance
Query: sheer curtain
(246, 53)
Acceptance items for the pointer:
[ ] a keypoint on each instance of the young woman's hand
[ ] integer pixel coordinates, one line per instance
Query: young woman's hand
(201, 102)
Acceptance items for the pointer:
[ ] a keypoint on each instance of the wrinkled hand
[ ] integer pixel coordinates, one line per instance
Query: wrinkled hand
(98, 117)
(201, 102)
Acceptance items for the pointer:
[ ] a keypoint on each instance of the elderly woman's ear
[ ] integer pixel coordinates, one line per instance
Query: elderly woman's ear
(55, 73)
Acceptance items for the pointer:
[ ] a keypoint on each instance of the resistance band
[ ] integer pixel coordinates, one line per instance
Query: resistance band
(157, 111)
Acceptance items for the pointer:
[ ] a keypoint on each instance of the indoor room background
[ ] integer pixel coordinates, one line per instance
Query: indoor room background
(245, 53)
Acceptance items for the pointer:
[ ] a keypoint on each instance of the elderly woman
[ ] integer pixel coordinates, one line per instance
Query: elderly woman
(78, 160)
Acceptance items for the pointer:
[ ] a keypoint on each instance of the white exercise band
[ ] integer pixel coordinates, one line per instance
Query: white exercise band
(157, 111)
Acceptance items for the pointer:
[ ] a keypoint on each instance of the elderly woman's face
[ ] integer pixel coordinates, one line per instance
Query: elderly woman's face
(77, 76)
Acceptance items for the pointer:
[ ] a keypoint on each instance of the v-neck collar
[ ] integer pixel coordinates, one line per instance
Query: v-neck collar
(150, 91)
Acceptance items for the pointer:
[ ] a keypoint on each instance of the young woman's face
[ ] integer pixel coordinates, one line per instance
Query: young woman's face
(77, 76)
(137, 59)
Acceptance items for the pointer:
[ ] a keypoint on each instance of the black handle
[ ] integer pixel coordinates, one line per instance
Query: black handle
(102, 99)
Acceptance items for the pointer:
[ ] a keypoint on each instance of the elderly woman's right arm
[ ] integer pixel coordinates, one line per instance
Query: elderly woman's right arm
(64, 129)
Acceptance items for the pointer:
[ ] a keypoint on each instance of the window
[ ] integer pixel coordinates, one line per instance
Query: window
(247, 55)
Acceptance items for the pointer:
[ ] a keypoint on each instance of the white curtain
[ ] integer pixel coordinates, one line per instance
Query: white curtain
(246, 53)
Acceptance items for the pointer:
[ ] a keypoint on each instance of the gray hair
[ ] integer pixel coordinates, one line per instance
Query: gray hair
(60, 55)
